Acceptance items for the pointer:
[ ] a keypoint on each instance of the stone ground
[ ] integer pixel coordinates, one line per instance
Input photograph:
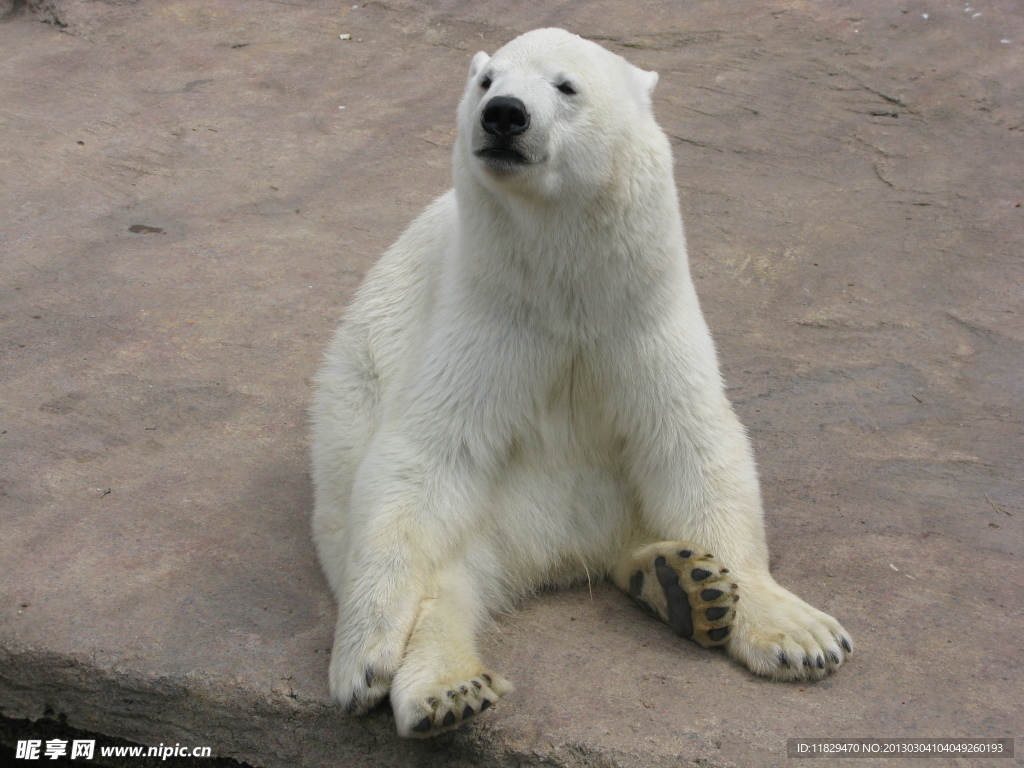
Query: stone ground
(190, 191)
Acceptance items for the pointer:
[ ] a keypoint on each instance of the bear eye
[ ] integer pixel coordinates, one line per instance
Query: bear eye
(566, 88)
(485, 83)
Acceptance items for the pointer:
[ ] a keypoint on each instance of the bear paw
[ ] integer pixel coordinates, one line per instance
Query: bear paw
(778, 635)
(360, 681)
(684, 586)
(444, 706)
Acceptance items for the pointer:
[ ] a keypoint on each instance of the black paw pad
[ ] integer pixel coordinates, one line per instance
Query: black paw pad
(680, 614)
(449, 718)
(486, 703)
(718, 634)
(636, 588)
(691, 599)
(422, 726)
(467, 712)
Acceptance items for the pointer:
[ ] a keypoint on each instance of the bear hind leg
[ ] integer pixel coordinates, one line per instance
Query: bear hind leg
(442, 683)
(682, 584)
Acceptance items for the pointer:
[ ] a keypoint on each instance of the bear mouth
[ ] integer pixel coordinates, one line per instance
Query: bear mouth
(502, 158)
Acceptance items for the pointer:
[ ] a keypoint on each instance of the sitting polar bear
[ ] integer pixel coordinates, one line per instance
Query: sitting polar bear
(524, 392)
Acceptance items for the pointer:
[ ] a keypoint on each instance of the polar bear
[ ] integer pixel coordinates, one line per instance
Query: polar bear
(524, 392)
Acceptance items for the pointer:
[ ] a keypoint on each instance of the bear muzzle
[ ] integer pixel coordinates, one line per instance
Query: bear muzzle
(502, 139)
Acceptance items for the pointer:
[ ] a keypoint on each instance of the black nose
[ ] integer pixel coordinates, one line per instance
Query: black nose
(505, 116)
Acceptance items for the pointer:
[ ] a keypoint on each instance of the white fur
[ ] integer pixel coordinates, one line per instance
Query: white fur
(524, 391)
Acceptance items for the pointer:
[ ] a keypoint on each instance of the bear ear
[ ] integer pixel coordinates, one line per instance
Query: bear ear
(643, 83)
(478, 63)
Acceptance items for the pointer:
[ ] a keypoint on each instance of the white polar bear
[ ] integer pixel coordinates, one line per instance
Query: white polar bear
(524, 392)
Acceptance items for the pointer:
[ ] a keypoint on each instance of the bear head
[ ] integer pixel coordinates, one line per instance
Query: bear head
(552, 114)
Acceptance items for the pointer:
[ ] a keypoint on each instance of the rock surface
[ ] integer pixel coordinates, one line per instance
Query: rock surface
(190, 191)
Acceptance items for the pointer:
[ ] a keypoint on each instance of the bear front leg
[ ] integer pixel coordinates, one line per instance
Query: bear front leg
(376, 611)
(773, 632)
(693, 469)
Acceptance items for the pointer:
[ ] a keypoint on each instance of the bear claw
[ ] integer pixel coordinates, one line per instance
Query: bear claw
(451, 705)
